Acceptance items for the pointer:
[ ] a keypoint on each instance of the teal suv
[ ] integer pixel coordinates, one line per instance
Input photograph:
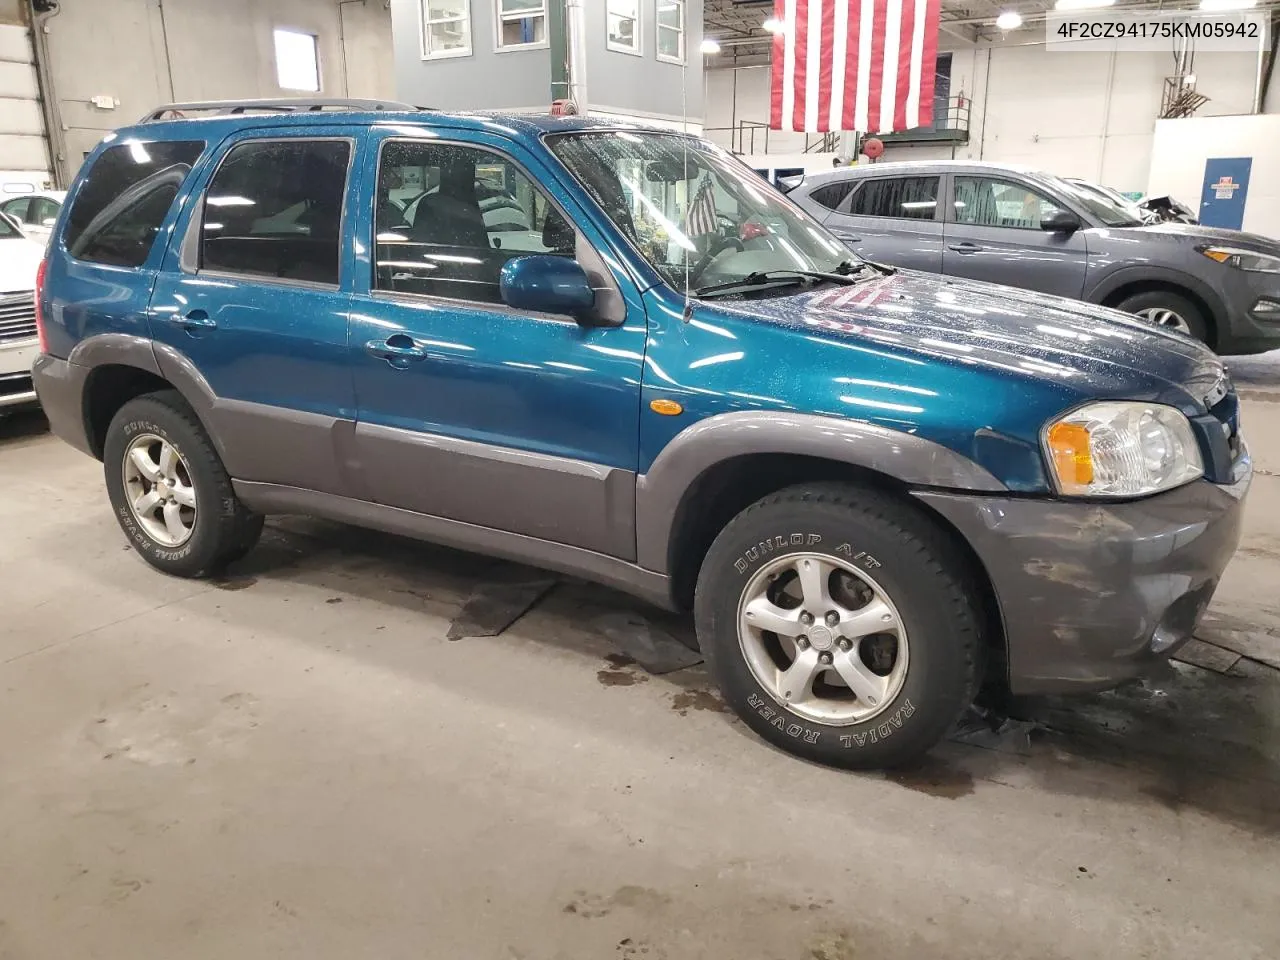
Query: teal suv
(615, 352)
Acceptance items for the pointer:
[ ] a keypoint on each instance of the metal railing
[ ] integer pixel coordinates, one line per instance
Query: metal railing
(950, 125)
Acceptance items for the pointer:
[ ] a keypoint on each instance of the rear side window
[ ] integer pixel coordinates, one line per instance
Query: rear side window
(912, 198)
(832, 195)
(124, 199)
(274, 209)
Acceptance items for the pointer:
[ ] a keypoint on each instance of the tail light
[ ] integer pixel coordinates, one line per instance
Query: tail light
(40, 331)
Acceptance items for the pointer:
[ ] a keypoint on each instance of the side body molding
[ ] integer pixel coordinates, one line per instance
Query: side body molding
(908, 458)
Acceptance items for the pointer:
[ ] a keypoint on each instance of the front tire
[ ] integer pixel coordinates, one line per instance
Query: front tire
(840, 625)
(169, 490)
(1169, 310)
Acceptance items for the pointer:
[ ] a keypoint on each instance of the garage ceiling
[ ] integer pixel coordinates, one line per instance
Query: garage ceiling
(736, 23)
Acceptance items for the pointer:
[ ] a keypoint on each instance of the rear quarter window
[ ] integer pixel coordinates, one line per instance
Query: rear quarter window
(831, 195)
(124, 199)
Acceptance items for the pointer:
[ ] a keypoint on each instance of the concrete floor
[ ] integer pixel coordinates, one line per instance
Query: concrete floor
(295, 762)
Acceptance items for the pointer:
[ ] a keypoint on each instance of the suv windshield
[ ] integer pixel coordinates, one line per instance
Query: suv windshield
(1099, 205)
(699, 216)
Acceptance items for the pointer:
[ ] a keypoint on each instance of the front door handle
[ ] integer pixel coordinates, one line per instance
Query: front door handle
(195, 322)
(965, 247)
(848, 239)
(398, 350)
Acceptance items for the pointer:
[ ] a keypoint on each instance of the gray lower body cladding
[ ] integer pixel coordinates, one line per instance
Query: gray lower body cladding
(1093, 594)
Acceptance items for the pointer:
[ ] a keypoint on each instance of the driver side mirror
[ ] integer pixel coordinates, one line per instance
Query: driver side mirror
(548, 284)
(1061, 221)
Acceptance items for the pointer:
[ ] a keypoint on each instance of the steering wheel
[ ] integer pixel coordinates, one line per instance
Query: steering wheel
(717, 248)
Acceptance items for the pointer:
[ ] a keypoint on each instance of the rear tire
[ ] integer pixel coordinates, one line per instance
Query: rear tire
(892, 611)
(1167, 309)
(169, 490)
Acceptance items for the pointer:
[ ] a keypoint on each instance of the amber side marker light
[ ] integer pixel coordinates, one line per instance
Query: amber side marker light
(1072, 456)
(668, 408)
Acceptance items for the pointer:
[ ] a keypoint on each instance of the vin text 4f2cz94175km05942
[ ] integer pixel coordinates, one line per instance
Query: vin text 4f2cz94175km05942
(615, 352)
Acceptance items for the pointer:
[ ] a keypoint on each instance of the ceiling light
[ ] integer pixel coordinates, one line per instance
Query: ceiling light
(1188, 80)
(1009, 20)
(774, 25)
(1081, 4)
(710, 46)
(1215, 5)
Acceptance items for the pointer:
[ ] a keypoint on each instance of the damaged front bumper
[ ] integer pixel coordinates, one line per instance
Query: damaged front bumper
(1092, 594)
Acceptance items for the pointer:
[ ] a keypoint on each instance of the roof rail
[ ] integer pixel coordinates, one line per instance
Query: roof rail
(235, 107)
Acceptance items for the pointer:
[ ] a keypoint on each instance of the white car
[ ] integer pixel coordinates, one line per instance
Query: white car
(35, 212)
(20, 258)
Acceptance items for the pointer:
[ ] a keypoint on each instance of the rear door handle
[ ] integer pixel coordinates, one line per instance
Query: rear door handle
(398, 350)
(965, 247)
(194, 322)
(848, 239)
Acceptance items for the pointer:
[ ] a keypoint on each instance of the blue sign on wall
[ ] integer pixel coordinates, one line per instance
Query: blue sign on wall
(1226, 184)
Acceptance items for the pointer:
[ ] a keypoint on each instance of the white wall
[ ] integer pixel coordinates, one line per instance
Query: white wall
(1089, 115)
(1182, 146)
(216, 49)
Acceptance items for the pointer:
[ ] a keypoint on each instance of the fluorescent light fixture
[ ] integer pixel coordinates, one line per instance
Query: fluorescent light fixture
(710, 46)
(1216, 5)
(774, 25)
(1009, 20)
(1082, 4)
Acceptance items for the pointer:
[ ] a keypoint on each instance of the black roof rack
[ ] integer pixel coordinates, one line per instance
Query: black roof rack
(234, 107)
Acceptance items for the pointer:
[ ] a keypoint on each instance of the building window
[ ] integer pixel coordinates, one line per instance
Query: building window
(623, 20)
(446, 28)
(671, 30)
(522, 23)
(297, 61)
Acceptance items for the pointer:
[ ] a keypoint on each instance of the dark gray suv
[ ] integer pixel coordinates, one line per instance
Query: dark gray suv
(1016, 226)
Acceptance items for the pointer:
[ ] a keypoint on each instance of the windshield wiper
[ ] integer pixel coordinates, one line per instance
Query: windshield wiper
(761, 277)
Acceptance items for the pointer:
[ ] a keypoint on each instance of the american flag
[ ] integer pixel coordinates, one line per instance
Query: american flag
(702, 212)
(865, 65)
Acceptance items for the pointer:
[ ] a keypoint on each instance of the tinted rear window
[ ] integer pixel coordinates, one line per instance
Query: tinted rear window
(124, 199)
(913, 198)
(274, 209)
(832, 194)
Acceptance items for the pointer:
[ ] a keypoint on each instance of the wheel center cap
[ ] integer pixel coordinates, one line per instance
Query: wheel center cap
(820, 637)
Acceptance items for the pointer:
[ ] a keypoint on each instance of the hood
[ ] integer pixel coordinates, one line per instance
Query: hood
(1194, 233)
(19, 259)
(1081, 350)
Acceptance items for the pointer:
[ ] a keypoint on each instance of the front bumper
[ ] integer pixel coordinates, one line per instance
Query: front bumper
(1092, 594)
(1253, 320)
(16, 358)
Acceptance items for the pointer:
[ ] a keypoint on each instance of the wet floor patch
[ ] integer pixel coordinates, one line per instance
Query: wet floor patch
(1189, 740)
(935, 777)
(687, 700)
(234, 583)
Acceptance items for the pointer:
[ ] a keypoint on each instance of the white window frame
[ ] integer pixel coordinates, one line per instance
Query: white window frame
(658, 27)
(499, 18)
(637, 48)
(315, 47)
(424, 22)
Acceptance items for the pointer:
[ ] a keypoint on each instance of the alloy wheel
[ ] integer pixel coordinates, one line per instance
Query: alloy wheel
(1164, 317)
(160, 491)
(823, 638)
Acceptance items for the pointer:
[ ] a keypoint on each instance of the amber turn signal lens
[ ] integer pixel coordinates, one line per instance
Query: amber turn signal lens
(668, 408)
(1072, 457)
(1222, 256)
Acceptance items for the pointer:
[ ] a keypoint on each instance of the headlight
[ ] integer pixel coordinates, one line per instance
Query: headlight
(1121, 449)
(1243, 259)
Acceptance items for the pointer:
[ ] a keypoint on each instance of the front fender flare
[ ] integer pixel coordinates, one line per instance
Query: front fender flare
(910, 459)
(1124, 276)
